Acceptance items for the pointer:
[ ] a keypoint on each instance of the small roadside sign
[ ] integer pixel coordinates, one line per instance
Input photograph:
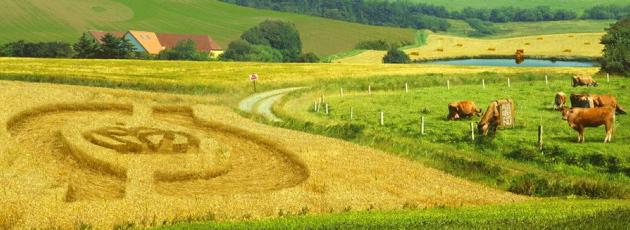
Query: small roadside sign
(253, 78)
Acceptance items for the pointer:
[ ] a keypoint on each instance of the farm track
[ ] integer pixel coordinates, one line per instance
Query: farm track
(261, 103)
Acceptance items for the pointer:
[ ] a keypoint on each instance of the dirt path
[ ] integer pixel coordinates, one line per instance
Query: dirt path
(261, 103)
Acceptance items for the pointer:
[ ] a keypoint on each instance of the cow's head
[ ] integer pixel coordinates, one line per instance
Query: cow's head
(595, 84)
(479, 112)
(482, 128)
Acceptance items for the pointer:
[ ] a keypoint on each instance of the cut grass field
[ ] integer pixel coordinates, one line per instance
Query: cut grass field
(65, 20)
(569, 46)
(389, 183)
(519, 29)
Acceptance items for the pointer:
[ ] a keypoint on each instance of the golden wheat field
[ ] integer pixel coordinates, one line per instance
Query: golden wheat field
(75, 155)
(580, 45)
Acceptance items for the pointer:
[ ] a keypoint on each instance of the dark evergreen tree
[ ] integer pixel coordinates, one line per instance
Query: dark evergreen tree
(113, 47)
(396, 56)
(86, 47)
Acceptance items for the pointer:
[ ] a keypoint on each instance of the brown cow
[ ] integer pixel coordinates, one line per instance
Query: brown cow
(596, 100)
(580, 118)
(561, 100)
(462, 109)
(584, 80)
(490, 120)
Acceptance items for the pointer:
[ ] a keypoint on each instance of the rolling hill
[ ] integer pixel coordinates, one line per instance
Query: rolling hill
(65, 20)
(576, 5)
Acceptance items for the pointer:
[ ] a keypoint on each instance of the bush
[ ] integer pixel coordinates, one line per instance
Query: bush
(396, 56)
(183, 50)
(282, 36)
(308, 58)
(242, 51)
(617, 48)
(40, 49)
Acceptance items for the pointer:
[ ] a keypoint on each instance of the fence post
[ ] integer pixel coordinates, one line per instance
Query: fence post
(509, 83)
(369, 89)
(422, 125)
(448, 84)
(546, 80)
(406, 88)
(342, 91)
(483, 83)
(315, 106)
(382, 118)
(472, 131)
(607, 77)
(351, 113)
(326, 108)
(540, 137)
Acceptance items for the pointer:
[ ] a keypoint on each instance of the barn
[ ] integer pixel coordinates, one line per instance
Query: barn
(152, 43)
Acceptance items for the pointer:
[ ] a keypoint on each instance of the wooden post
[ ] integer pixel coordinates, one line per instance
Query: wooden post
(509, 83)
(483, 83)
(369, 89)
(546, 80)
(382, 118)
(540, 137)
(406, 88)
(472, 131)
(342, 92)
(254, 82)
(607, 77)
(448, 84)
(326, 108)
(422, 125)
(351, 113)
(317, 107)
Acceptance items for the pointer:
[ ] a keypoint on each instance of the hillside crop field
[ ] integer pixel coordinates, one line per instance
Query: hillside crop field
(65, 20)
(77, 157)
(574, 45)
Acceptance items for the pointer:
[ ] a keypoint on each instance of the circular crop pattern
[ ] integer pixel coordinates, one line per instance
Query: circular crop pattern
(143, 140)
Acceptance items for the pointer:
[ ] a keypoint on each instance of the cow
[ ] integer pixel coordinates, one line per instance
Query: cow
(596, 100)
(462, 109)
(490, 120)
(580, 118)
(605, 100)
(561, 100)
(584, 80)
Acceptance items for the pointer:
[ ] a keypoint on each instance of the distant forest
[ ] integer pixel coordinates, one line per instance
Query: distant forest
(425, 16)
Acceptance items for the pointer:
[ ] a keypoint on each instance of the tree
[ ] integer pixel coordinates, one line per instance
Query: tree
(183, 50)
(115, 48)
(396, 56)
(242, 51)
(617, 48)
(308, 58)
(86, 47)
(237, 51)
(282, 36)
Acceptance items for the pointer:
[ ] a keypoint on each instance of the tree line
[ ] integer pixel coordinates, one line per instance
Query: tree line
(425, 16)
(109, 47)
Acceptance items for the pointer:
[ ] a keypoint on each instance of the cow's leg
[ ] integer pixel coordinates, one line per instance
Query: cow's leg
(609, 132)
(580, 135)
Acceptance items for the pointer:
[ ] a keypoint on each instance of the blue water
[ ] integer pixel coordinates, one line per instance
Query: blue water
(510, 62)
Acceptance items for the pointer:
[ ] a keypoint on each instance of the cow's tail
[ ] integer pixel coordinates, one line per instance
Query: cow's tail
(620, 110)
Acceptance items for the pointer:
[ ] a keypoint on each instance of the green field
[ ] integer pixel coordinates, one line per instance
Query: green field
(553, 214)
(508, 161)
(577, 5)
(65, 20)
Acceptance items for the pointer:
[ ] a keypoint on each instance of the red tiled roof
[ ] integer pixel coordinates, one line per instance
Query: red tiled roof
(98, 35)
(204, 42)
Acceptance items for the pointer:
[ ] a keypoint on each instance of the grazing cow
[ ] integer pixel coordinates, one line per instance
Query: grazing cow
(561, 100)
(596, 100)
(519, 56)
(584, 80)
(580, 118)
(490, 120)
(462, 109)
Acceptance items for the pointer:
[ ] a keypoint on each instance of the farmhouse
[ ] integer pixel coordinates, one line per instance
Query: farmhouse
(153, 43)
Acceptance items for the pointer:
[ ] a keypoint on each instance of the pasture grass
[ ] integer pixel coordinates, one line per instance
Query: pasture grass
(509, 161)
(554, 214)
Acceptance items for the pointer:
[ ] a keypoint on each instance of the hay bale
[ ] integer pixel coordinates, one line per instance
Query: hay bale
(460, 45)
(527, 43)
(571, 36)
(539, 38)
(439, 50)
(492, 49)
(587, 43)
(567, 50)
(415, 53)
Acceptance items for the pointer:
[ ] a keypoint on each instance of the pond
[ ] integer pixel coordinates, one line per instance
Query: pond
(510, 62)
